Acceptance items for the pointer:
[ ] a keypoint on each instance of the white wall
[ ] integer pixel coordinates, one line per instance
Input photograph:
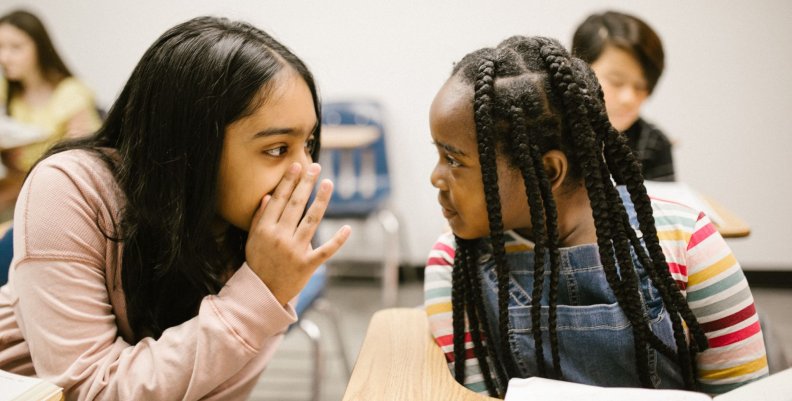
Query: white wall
(724, 97)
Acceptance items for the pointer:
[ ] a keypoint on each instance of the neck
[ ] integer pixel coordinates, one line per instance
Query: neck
(575, 216)
(36, 90)
(35, 82)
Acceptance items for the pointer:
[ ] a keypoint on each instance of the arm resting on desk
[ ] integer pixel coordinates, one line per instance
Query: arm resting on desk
(399, 360)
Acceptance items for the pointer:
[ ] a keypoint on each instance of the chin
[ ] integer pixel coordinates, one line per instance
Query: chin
(466, 234)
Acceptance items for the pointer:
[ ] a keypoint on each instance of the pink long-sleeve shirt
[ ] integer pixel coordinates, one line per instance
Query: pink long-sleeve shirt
(63, 315)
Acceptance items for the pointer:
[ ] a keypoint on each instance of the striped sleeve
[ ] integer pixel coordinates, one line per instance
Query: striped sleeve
(437, 302)
(719, 297)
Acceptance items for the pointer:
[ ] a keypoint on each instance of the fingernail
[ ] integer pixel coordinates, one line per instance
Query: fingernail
(314, 169)
(295, 167)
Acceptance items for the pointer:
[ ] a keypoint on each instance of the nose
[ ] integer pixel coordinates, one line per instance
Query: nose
(627, 95)
(304, 158)
(437, 178)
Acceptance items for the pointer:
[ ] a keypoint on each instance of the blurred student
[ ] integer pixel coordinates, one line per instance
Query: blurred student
(158, 258)
(627, 56)
(36, 90)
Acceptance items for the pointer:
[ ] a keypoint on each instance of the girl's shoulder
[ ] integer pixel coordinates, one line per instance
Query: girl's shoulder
(443, 250)
(76, 160)
(80, 171)
(3, 90)
(668, 214)
(71, 86)
(71, 94)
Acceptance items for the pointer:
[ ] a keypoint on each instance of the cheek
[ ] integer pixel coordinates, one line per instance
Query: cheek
(247, 189)
(609, 94)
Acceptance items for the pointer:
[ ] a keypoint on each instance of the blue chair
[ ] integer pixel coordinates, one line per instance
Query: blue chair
(6, 253)
(354, 156)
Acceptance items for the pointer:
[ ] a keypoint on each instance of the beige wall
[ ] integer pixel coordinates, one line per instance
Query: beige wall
(725, 99)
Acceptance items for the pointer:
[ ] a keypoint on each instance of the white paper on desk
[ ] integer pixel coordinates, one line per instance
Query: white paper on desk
(14, 134)
(539, 389)
(682, 193)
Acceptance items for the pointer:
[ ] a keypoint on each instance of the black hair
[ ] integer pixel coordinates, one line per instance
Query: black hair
(52, 67)
(166, 130)
(530, 97)
(626, 32)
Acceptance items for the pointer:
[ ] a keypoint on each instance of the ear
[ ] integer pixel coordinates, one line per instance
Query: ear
(556, 167)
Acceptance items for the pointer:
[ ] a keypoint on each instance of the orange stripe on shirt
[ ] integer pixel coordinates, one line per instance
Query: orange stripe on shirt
(735, 371)
(443, 307)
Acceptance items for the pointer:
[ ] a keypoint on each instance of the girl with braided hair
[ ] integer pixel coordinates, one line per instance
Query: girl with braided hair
(559, 265)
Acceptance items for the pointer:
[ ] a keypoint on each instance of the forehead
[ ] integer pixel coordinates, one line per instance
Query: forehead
(615, 59)
(9, 31)
(286, 96)
(451, 113)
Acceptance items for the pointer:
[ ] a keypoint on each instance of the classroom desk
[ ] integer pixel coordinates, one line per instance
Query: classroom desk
(733, 226)
(399, 360)
(727, 223)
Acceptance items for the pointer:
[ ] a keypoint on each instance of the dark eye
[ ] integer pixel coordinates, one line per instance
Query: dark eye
(310, 144)
(616, 82)
(276, 152)
(451, 161)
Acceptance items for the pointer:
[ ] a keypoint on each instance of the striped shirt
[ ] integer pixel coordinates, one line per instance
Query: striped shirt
(704, 268)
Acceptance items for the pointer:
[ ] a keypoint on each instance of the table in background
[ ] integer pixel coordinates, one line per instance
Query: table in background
(732, 226)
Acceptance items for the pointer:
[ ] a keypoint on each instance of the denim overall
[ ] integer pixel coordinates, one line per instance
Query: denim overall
(595, 338)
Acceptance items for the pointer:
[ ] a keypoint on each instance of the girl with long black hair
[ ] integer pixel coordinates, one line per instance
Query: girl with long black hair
(157, 259)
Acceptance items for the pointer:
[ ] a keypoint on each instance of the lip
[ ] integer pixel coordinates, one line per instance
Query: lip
(447, 211)
(625, 114)
(448, 214)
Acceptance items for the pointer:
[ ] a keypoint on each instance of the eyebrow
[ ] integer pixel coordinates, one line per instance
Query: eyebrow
(281, 131)
(450, 149)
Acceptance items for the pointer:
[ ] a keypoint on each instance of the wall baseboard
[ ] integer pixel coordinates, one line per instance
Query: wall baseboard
(769, 278)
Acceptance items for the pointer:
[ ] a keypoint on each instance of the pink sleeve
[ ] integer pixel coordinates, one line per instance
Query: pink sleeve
(67, 319)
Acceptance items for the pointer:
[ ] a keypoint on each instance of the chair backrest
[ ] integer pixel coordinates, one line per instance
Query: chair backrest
(6, 251)
(312, 290)
(354, 156)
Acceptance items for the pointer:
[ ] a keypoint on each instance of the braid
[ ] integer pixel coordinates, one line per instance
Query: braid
(555, 256)
(589, 154)
(482, 103)
(458, 298)
(543, 216)
(657, 267)
(478, 320)
(466, 301)
(538, 226)
(628, 171)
